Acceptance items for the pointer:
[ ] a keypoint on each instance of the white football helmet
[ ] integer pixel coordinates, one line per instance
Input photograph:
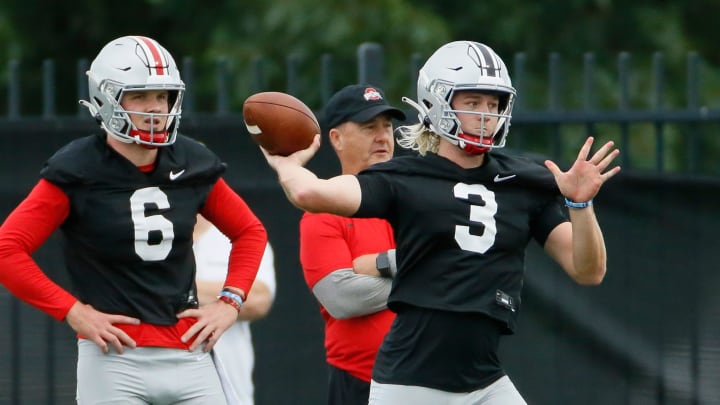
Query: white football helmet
(133, 63)
(461, 66)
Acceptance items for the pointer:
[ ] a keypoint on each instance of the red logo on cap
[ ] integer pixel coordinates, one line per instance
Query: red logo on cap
(372, 94)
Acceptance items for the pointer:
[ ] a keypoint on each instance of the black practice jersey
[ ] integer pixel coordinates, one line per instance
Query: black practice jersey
(462, 233)
(128, 236)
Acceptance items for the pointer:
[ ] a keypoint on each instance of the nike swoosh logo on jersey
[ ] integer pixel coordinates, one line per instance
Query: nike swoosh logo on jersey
(174, 176)
(499, 179)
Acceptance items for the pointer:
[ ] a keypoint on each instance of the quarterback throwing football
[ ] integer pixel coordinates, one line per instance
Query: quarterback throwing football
(463, 213)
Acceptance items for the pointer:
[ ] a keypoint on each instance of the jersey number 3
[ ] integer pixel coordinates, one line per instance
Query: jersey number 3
(144, 224)
(483, 214)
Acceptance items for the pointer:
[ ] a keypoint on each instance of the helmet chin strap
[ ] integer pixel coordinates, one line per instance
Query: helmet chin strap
(149, 136)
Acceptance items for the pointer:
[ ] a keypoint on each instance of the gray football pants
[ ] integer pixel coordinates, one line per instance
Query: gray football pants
(501, 392)
(146, 375)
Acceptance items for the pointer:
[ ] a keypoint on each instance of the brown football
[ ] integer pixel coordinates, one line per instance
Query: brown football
(279, 122)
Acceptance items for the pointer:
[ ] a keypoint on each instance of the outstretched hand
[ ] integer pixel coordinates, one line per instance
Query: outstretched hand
(300, 157)
(583, 180)
(99, 327)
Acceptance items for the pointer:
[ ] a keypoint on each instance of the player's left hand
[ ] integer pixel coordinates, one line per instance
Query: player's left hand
(212, 321)
(583, 180)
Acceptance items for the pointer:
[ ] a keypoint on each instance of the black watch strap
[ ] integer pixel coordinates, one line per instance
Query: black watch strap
(382, 262)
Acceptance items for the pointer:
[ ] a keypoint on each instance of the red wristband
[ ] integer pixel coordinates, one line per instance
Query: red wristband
(229, 301)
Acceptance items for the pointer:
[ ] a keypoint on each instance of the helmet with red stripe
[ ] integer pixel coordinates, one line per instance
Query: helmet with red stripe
(134, 63)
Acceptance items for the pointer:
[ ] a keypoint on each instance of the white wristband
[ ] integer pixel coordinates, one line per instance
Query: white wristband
(577, 205)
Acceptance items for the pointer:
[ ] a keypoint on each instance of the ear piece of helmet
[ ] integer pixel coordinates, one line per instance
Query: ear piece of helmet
(117, 124)
(426, 122)
(93, 110)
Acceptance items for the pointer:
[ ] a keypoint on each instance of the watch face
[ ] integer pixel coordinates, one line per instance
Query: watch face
(381, 262)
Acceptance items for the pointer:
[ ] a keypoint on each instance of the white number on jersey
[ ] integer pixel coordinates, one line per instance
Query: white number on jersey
(145, 224)
(479, 214)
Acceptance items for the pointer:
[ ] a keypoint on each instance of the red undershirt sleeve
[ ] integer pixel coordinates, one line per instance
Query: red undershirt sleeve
(232, 216)
(27, 227)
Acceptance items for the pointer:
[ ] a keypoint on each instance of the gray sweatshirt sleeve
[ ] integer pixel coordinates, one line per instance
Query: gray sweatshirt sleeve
(345, 294)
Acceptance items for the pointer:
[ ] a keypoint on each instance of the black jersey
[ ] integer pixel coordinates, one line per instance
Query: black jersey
(128, 235)
(462, 233)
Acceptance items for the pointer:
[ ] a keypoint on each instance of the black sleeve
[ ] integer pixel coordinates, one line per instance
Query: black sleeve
(378, 195)
(546, 216)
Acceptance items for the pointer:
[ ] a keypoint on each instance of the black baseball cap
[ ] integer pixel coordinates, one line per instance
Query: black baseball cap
(358, 103)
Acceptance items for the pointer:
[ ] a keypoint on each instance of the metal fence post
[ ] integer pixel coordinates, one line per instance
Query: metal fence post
(624, 106)
(693, 104)
(223, 82)
(326, 78)
(658, 106)
(82, 84)
(518, 80)
(188, 76)
(48, 86)
(13, 89)
(554, 87)
(554, 91)
(589, 89)
(293, 74)
(258, 75)
(588, 83)
(370, 64)
(416, 63)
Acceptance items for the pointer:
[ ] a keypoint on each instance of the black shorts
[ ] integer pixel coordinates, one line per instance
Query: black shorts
(344, 389)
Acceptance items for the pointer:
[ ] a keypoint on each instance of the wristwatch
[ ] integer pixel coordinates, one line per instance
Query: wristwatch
(382, 262)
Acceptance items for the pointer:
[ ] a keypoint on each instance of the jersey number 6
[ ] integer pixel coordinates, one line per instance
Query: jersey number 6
(145, 224)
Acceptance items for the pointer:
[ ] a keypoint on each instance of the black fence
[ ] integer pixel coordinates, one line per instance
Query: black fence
(650, 334)
(664, 117)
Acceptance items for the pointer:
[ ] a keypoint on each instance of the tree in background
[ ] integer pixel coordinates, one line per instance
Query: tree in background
(239, 32)
(243, 32)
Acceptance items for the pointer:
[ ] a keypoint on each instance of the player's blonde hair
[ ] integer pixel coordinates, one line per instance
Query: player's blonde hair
(419, 138)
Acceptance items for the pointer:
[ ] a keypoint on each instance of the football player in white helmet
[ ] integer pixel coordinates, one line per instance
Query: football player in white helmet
(463, 213)
(457, 69)
(123, 68)
(126, 200)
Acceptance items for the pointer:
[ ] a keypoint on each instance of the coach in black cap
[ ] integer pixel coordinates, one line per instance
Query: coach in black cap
(341, 255)
(358, 103)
